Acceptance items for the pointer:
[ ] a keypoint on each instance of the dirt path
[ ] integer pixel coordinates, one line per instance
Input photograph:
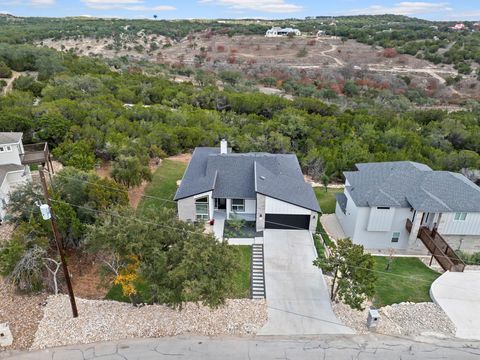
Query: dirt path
(9, 86)
(332, 49)
(431, 72)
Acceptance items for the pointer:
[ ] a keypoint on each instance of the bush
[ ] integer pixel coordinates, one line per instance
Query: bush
(302, 52)
(5, 71)
(469, 258)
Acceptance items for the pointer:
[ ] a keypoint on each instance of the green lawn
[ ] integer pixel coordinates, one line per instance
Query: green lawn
(241, 280)
(407, 280)
(163, 185)
(326, 199)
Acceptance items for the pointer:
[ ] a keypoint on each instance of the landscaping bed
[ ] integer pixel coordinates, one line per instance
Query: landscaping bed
(101, 320)
(239, 229)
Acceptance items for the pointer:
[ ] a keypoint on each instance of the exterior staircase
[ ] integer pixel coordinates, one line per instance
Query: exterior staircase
(258, 272)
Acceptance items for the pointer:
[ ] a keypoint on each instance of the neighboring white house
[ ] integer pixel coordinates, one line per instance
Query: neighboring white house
(380, 198)
(278, 31)
(12, 172)
(266, 188)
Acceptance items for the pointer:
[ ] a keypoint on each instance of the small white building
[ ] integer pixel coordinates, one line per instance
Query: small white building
(278, 31)
(381, 198)
(12, 171)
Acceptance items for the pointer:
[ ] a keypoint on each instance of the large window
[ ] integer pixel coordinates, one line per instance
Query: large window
(460, 216)
(238, 205)
(201, 208)
(395, 236)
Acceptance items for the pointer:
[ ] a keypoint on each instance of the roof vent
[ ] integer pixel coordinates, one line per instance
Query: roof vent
(262, 177)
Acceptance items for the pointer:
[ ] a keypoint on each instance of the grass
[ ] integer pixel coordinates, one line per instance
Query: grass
(241, 279)
(407, 280)
(163, 185)
(248, 230)
(326, 199)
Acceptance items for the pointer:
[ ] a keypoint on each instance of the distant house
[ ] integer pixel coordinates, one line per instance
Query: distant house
(458, 27)
(384, 205)
(266, 188)
(278, 31)
(12, 171)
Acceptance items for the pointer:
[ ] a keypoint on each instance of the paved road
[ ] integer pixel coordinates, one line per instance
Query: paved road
(458, 294)
(297, 296)
(337, 347)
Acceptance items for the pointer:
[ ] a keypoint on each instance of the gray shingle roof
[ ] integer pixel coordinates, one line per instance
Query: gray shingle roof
(5, 169)
(243, 175)
(10, 137)
(410, 184)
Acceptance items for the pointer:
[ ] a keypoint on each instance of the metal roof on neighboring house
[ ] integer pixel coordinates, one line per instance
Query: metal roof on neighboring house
(5, 169)
(243, 175)
(10, 137)
(411, 184)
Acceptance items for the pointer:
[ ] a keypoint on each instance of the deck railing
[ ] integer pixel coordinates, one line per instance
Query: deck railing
(441, 250)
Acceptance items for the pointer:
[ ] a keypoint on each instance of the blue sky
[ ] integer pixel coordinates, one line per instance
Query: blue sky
(176, 9)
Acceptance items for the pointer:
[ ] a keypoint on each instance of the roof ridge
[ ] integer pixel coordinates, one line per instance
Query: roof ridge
(435, 198)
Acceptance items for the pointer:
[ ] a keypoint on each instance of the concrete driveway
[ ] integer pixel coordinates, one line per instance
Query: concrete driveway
(297, 296)
(458, 294)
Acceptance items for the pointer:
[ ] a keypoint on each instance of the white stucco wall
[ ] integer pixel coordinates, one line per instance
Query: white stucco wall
(349, 219)
(12, 180)
(381, 239)
(449, 226)
(11, 157)
(186, 207)
(274, 206)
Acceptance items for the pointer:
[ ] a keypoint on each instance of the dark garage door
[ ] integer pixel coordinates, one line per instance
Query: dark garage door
(284, 221)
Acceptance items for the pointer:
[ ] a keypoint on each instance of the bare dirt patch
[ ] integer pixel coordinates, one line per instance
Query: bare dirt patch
(22, 313)
(85, 270)
(183, 158)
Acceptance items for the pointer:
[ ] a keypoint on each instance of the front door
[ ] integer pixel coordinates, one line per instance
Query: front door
(220, 204)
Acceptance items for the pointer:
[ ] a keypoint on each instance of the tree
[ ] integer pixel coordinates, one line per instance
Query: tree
(174, 260)
(230, 77)
(5, 71)
(353, 276)
(129, 171)
(78, 154)
(325, 181)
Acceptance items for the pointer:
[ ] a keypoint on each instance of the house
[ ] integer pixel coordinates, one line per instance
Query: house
(278, 31)
(266, 188)
(384, 205)
(12, 171)
(458, 27)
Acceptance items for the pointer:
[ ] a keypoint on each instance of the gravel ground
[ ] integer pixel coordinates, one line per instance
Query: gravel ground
(406, 319)
(22, 313)
(101, 320)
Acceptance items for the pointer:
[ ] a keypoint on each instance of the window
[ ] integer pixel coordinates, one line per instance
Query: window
(201, 208)
(460, 216)
(7, 148)
(238, 205)
(395, 236)
(383, 208)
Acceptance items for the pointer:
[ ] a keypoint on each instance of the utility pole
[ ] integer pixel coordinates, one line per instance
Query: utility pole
(58, 242)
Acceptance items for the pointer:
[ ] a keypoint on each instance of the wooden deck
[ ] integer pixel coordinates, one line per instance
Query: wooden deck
(37, 154)
(439, 248)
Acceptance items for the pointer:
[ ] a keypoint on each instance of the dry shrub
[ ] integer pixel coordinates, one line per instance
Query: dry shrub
(389, 53)
(311, 42)
(220, 48)
(232, 59)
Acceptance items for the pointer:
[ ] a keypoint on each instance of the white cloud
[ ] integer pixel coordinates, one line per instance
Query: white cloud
(403, 8)
(271, 6)
(130, 5)
(42, 2)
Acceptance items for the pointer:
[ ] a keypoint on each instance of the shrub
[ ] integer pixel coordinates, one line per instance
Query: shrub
(302, 52)
(389, 53)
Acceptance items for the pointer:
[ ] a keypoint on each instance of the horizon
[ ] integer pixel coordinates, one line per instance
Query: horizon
(465, 10)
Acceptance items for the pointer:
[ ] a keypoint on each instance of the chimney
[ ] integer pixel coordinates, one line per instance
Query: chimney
(223, 147)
